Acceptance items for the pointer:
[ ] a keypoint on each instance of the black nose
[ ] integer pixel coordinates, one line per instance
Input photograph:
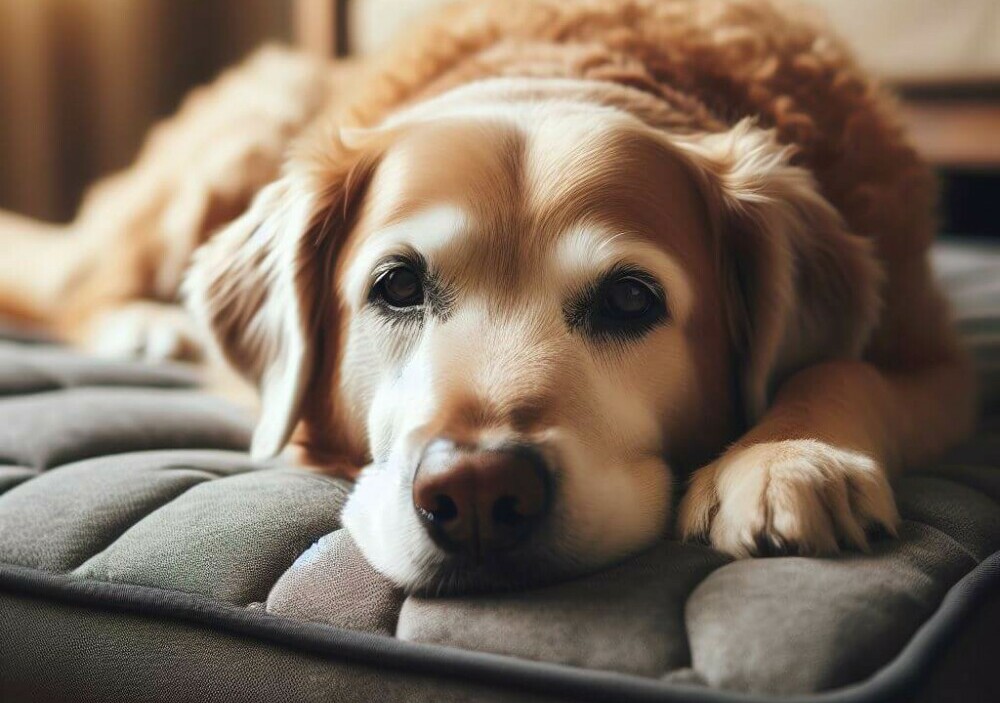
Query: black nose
(480, 502)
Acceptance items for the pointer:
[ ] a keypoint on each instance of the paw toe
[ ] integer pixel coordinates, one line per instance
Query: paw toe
(793, 497)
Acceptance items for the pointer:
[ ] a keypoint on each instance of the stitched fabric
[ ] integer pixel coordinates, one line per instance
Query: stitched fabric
(230, 538)
(332, 583)
(629, 618)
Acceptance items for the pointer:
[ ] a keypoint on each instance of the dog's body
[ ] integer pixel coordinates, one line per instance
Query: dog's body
(543, 255)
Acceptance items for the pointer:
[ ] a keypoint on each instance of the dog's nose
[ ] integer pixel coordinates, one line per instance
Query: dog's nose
(480, 501)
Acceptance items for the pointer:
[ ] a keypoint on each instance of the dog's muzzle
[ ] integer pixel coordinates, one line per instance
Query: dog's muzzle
(479, 503)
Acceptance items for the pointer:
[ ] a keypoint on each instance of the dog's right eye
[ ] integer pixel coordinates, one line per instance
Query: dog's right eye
(400, 287)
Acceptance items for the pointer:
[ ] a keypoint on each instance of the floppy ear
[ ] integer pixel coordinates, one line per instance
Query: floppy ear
(802, 288)
(258, 285)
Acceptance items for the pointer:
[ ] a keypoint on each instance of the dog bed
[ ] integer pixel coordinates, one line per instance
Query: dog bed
(144, 556)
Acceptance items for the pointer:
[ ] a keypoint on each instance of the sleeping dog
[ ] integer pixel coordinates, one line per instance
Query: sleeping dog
(534, 267)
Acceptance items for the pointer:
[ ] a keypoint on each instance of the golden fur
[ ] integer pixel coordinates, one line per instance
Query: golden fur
(777, 200)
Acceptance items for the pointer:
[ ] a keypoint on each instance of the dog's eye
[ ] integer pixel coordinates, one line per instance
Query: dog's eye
(400, 287)
(626, 298)
(625, 305)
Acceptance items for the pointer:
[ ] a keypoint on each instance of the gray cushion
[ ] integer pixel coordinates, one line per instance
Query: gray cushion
(63, 517)
(629, 618)
(125, 490)
(332, 583)
(229, 538)
(61, 426)
(798, 625)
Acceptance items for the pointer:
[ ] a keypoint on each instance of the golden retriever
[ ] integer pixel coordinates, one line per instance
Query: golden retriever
(535, 266)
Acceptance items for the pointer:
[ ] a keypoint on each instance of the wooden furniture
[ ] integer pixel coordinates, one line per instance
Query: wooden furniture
(321, 27)
(956, 133)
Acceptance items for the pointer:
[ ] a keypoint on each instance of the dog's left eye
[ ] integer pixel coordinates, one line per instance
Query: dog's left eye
(400, 287)
(626, 304)
(626, 298)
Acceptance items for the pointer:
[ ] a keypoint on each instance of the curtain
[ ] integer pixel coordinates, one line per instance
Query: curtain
(81, 81)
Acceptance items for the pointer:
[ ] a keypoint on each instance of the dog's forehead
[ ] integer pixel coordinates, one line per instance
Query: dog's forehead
(469, 164)
(502, 193)
(551, 166)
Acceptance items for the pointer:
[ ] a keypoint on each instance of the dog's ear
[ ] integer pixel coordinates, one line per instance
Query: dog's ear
(260, 286)
(800, 287)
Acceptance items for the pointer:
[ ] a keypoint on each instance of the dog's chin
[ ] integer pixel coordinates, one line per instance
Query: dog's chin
(413, 562)
(423, 568)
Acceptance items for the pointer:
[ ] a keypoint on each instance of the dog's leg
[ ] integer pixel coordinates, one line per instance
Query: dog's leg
(813, 474)
(38, 262)
(143, 329)
(128, 248)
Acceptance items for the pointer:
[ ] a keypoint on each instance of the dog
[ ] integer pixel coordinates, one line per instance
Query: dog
(535, 266)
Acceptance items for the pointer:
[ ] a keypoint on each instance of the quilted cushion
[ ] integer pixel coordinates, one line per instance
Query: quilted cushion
(122, 485)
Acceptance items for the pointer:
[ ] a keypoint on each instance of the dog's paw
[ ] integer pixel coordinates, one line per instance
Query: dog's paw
(144, 330)
(788, 497)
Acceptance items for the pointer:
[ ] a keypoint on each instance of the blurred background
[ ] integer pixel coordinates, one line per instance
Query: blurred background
(81, 81)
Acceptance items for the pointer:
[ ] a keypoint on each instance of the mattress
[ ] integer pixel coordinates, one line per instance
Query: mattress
(144, 556)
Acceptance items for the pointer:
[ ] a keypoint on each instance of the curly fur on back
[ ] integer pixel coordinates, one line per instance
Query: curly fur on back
(715, 62)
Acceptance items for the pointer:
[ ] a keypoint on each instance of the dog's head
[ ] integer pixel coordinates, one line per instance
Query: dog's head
(519, 313)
